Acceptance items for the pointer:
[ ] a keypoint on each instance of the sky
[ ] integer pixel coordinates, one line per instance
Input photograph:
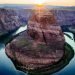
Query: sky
(49, 2)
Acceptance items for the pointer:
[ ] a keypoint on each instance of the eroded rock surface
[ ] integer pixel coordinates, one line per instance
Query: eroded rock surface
(9, 20)
(41, 45)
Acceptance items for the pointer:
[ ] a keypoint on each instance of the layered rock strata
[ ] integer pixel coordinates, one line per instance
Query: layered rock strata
(9, 20)
(41, 45)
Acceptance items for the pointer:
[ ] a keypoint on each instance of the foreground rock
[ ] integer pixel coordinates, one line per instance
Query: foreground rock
(41, 45)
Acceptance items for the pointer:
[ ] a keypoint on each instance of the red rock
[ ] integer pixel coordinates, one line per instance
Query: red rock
(42, 27)
(9, 20)
(41, 45)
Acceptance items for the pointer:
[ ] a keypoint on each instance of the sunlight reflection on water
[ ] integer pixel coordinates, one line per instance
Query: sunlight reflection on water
(21, 29)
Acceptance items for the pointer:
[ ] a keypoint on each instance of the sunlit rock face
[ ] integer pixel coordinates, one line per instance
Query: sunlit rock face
(9, 20)
(41, 45)
(42, 27)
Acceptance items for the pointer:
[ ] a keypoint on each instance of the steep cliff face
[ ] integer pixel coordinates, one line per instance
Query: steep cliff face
(41, 45)
(8, 20)
(65, 17)
(11, 19)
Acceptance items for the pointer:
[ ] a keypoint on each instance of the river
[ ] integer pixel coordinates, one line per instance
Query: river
(8, 68)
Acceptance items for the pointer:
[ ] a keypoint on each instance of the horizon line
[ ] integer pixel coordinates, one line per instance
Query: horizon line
(35, 4)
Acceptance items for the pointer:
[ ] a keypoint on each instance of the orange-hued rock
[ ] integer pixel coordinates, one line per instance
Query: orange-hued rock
(41, 45)
(42, 27)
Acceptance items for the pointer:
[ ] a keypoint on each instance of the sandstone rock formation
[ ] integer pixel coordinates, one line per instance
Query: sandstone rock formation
(41, 45)
(43, 27)
(9, 20)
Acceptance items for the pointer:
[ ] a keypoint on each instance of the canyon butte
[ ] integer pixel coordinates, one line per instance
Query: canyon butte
(40, 46)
